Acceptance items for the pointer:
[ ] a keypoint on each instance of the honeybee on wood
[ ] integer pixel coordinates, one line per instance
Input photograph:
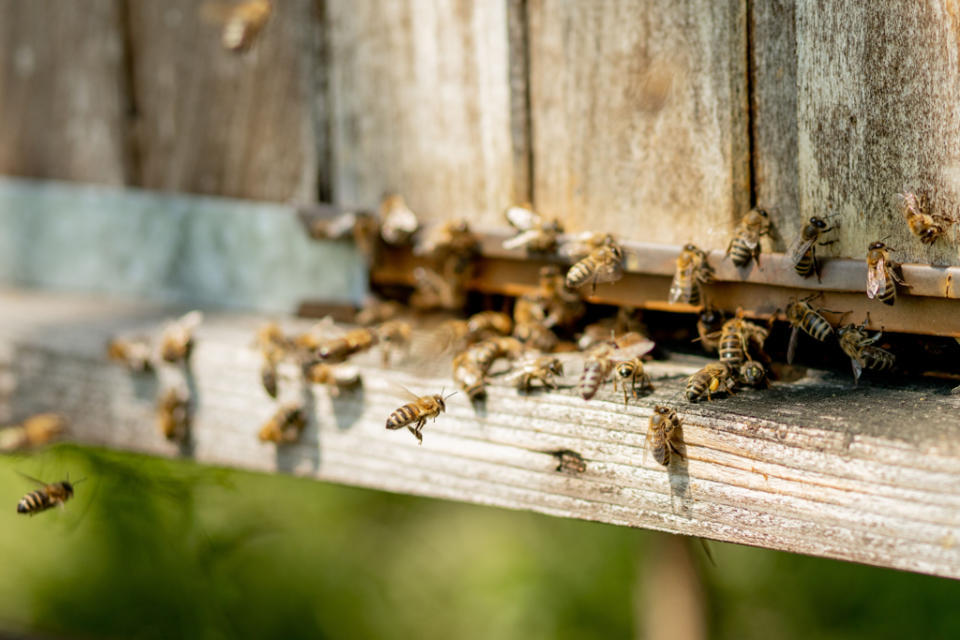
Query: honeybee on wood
(47, 496)
(485, 352)
(716, 376)
(414, 415)
(393, 336)
(176, 342)
(803, 317)
(926, 226)
(487, 322)
(737, 337)
(692, 272)
(882, 274)
(859, 346)
(802, 252)
(533, 233)
(335, 350)
(242, 23)
(377, 311)
(173, 413)
(632, 371)
(273, 347)
(596, 370)
(469, 376)
(745, 245)
(753, 374)
(36, 431)
(709, 328)
(285, 425)
(604, 263)
(337, 378)
(542, 369)
(664, 423)
(569, 461)
(135, 353)
(397, 222)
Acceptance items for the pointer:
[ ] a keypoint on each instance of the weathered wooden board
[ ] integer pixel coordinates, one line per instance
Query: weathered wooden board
(211, 121)
(63, 109)
(877, 88)
(420, 104)
(867, 474)
(639, 113)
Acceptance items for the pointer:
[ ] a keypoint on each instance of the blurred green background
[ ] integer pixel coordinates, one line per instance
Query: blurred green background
(153, 548)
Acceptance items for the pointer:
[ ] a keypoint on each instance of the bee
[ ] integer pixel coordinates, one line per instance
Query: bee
(35, 431)
(176, 342)
(596, 369)
(603, 264)
(533, 233)
(928, 227)
(414, 415)
(285, 425)
(378, 311)
(397, 222)
(569, 461)
(857, 344)
(737, 336)
(664, 423)
(803, 250)
(709, 327)
(47, 496)
(135, 353)
(632, 371)
(242, 23)
(338, 378)
(355, 341)
(745, 245)
(716, 376)
(753, 374)
(173, 413)
(803, 317)
(273, 348)
(469, 376)
(484, 353)
(692, 272)
(541, 369)
(360, 226)
(490, 322)
(882, 274)
(393, 335)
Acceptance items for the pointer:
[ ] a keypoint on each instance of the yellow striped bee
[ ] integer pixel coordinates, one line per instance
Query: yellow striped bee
(693, 270)
(533, 233)
(542, 369)
(285, 425)
(803, 317)
(745, 245)
(604, 263)
(664, 423)
(882, 274)
(596, 370)
(355, 341)
(47, 496)
(803, 250)
(469, 375)
(738, 338)
(753, 374)
(859, 346)
(414, 415)
(716, 376)
(926, 226)
(173, 413)
(632, 371)
(485, 352)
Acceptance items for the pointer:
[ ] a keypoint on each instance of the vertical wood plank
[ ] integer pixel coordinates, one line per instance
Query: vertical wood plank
(62, 107)
(640, 116)
(878, 88)
(421, 105)
(215, 122)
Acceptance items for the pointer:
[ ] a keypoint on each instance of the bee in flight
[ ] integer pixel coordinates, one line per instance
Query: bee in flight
(802, 316)
(882, 274)
(802, 252)
(533, 233)
(414, 414)
(926, 226)
(859, 346)
(745, 245)
(47, 496)
(692, 272)
(661, 432)
(603, 263)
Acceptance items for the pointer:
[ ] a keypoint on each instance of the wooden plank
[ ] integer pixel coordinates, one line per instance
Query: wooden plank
(877, 83)
(211, 121)
(798, 467)
(421, 104)
(640, 117)
(61, 77)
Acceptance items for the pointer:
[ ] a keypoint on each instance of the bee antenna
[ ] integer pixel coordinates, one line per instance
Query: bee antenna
(449, 396)
(75, 483)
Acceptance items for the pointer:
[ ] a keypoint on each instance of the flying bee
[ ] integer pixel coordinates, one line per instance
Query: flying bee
(36, 431)
(926, 226)
(753, 374)
(803, 250)
(596, 370)
(135, 353)
(337, 378)
(632, 371)
(285, 425)
(242, 23)
(397, 222)
(176, 342)
(173, 413)
(603, 264)
(377, 311)
(664, 423)
(709, 326)
(745, 245)
(469, 376)
(414, 415)
(542, 369)
(569, 461)
(273, 348)
(803, 317)
(355, 341)
(533, 233)
(882, 274)
(859, 346)
(47, 496)
(692, 272)
(716, 376)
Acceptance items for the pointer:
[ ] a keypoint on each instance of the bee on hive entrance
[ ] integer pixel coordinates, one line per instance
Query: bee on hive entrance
(882, 274)
(596, 369)
(926, 226)
(47, 496)
(802, 252)
(542, 369)
(135, 353)
(604, 263)
(745, 245)
(469, 375)
(709, 328)
(176, 342)
(355, 341)
(632, 371)
(803, 317)
(716, 376)
(534, 234)
(397, 222)
(664, 423)
(859, 346)
(173, 413)
(692, 272)
(285, 425)
(414, 414)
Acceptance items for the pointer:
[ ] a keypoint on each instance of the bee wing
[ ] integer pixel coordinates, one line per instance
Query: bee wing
(799, 248)
(792, 347)
(410, 394)
(676, 286)
(36, 481)
(876, 278)
(608, 273)
(636, 350)
(857, 370)
(522, 218)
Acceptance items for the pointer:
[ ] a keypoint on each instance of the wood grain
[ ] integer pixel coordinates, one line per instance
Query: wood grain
(61, 77)
(640, 117)
(421, 104)
(877, 85)
(211, 121)
(797, 468)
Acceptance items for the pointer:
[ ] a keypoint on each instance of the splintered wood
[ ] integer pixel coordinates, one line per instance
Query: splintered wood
(868, 474)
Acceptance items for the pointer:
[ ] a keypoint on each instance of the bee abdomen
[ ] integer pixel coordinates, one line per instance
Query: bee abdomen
(402, 417)
(740, 253)
(590, 381)
(817, 327)
(580, 272)
(889, 293)
(877, 358)
(696, 386)
(731, 349)
(804, 265)
(33, 502)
